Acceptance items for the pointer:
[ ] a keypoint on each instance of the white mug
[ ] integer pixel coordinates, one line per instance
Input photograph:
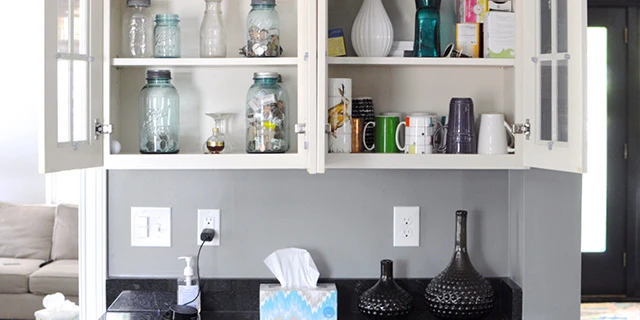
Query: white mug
(492, 138)
(419, 130)
(339, 115)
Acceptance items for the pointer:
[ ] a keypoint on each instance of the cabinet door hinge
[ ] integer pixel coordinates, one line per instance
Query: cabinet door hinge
(101, 129)
(626, 35)
(525, 129)
(624, 260)
(626, 151)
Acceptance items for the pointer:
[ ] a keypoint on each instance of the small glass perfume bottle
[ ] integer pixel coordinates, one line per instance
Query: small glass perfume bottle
(215, 143)
(219, 142)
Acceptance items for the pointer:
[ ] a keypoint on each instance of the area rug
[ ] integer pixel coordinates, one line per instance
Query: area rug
(610, 311)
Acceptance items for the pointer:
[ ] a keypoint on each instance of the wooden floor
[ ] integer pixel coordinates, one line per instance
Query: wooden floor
(610, 311)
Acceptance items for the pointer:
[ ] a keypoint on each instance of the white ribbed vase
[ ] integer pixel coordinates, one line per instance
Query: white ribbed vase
(372, 32)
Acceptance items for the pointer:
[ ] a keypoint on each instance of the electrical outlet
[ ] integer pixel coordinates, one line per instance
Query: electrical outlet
(406, 226)
(209, 219)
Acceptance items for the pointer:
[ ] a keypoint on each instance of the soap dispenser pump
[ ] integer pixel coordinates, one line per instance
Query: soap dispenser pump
(188, 287)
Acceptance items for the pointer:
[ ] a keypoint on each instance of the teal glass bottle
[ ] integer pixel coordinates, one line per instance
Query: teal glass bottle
(159, 114)
(427, 35)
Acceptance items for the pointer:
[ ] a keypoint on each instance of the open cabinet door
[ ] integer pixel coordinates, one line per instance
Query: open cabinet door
(554, 66)
(309, 27)
(323, 79)
(73, 86)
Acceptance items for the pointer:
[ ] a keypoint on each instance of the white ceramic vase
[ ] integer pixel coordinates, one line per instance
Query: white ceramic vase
(372, 32)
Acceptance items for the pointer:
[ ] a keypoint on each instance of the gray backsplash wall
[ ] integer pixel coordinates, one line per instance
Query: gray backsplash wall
(545, 257)
(343, 217)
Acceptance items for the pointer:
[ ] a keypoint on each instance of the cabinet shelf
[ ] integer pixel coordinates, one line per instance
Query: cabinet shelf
(204, 62)
(399, 61)
(430, 161)
(205, 161)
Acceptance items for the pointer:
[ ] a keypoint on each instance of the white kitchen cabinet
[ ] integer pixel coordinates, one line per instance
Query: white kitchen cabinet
(204, 85)
(543, 87)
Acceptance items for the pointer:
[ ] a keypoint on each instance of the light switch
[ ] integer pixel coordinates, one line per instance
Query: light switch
(142, 225)
(150, 227)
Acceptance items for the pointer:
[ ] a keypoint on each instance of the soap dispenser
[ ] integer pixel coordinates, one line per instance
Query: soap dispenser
(188, 287)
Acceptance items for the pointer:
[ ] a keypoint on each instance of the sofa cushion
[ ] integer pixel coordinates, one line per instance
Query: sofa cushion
(26, 231)
(58, 276)
(14, 274)
(65, 233)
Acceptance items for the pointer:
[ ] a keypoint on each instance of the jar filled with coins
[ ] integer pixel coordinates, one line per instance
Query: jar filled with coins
(266, 115)
(263, 30)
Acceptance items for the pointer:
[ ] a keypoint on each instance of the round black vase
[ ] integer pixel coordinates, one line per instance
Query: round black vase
(386, 299)
(459, 291)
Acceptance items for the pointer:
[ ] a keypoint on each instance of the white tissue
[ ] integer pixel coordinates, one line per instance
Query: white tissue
(57, 308)
(293, 267)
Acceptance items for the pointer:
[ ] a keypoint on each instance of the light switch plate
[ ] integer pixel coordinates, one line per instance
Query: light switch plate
(406, 226)
(150, 227)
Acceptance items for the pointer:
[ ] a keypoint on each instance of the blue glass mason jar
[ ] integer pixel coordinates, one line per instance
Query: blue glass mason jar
(427, 33)
(263, 30)
(167, 36)
(266, 115)
(159, 114)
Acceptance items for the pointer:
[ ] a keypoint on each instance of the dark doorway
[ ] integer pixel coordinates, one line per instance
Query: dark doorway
(604, 232)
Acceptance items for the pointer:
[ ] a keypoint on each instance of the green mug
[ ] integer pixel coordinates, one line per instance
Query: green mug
(386, 125)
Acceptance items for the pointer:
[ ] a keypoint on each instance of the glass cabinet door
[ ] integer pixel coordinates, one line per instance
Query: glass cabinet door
(73, 78)
(557, 103)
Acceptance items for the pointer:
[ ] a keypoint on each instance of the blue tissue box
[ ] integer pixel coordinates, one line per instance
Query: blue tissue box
(277, 303)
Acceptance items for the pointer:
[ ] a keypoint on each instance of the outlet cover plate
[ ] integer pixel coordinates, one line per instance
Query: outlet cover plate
(209, 218)
(150, 227)
(406, 226)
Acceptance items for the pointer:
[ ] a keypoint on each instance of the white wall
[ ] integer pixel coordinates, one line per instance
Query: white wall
(21, 96)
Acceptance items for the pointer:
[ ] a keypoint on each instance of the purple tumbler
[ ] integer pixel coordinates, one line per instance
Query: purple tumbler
(460, 131)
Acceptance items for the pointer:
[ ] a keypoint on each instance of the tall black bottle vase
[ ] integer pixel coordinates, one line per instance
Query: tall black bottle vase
(459, 291)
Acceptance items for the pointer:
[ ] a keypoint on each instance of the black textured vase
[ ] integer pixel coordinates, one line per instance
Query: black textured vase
(460, 292)
(386, 299)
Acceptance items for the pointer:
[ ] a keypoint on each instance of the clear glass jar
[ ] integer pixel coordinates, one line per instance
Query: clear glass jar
(137, 30)
(266, 115)
(167, 36)
(263, 30)
(159, 114)
(212, 32)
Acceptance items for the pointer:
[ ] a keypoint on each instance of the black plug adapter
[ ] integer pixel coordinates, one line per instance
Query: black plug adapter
(207, 235)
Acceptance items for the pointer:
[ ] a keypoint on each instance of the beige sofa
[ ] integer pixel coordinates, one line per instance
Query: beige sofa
(31, 236)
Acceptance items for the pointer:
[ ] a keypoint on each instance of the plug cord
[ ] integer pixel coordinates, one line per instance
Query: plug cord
(197, 275)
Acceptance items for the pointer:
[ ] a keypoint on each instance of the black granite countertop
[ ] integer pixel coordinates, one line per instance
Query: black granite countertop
(145, 299)
(247, 316)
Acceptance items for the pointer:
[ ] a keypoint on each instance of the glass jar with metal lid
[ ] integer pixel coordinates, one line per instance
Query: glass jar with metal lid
(266, 115)
(263, 30)
(137, 30)
(159, 117)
